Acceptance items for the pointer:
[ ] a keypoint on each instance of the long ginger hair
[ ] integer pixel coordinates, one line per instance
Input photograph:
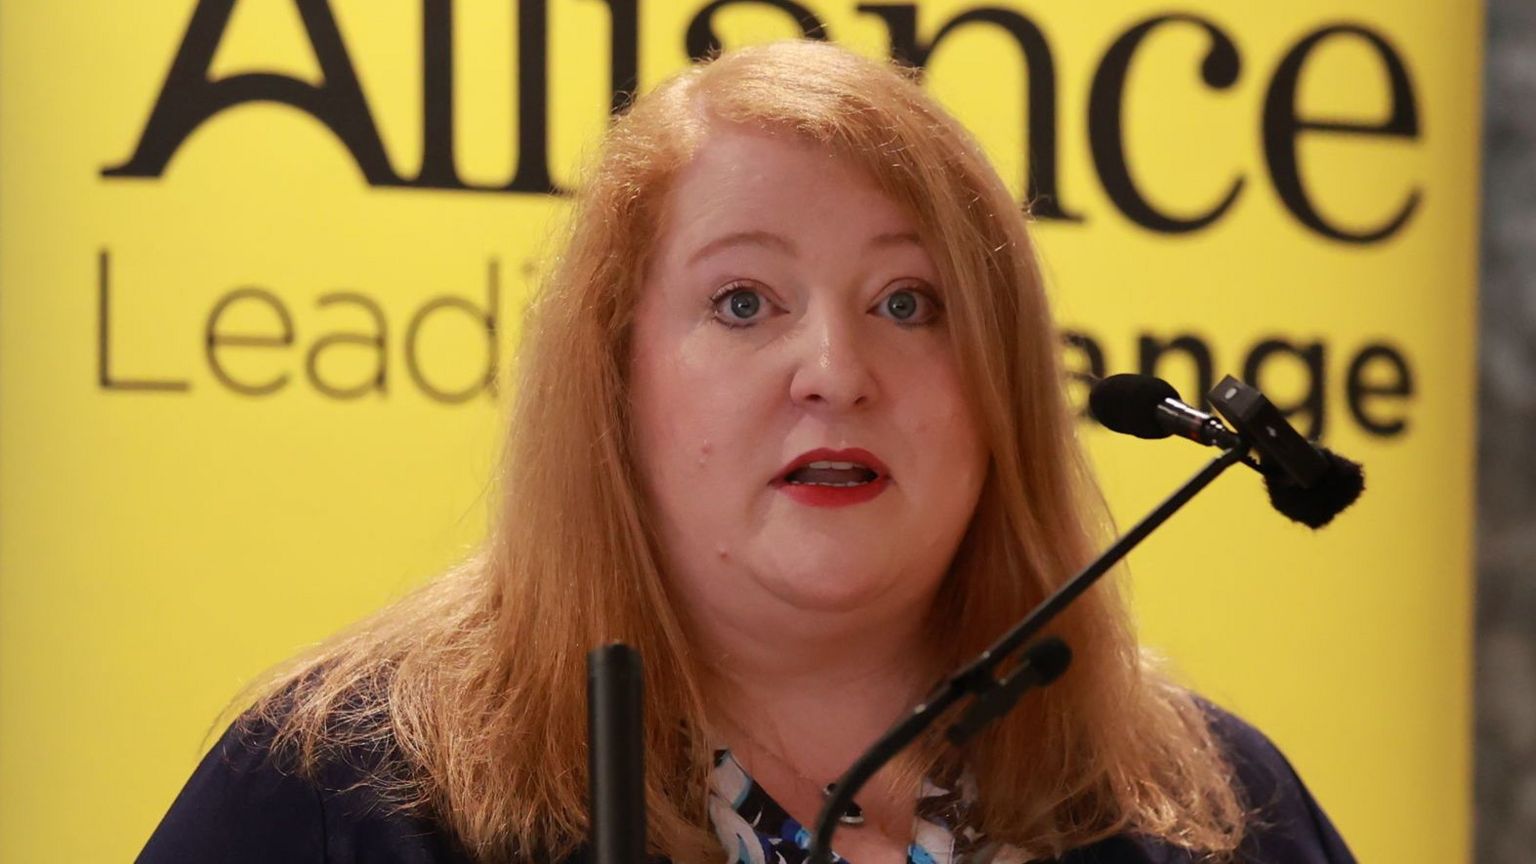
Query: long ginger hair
(474, 686)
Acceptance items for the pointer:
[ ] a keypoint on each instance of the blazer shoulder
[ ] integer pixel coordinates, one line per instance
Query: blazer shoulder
(1286, 824)
(241, 805)
(247, 801)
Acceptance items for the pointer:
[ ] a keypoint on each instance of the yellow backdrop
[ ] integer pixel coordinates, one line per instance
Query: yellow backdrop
(259, 259)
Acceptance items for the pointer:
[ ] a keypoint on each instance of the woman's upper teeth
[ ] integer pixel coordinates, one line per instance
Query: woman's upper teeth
(830, 472)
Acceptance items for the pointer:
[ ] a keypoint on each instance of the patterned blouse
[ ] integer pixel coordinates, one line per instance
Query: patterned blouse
(754, 829)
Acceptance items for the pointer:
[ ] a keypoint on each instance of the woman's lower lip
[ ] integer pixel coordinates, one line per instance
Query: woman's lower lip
(813, 495)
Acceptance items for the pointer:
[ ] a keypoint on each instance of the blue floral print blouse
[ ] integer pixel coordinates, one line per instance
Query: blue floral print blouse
(755, 829)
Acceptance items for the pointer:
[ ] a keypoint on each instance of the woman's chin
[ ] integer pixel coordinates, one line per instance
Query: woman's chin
(830, 584)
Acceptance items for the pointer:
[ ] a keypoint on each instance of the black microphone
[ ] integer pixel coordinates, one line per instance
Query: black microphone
(1042, 664)
(1261, 423)
(1314, 484)
(1149, 407)
(1306, 483)
(616, 754)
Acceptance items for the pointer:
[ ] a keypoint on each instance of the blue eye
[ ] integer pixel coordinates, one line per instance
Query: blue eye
(738, 306)
(902, 305)
(908, 306)
(744, 304)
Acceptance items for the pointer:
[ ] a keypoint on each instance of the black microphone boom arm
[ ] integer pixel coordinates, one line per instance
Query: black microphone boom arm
(978, 678)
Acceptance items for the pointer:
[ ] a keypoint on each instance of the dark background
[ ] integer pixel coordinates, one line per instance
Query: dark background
(1506, 603)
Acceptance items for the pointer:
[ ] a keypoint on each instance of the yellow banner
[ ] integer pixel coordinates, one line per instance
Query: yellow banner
(262, 263)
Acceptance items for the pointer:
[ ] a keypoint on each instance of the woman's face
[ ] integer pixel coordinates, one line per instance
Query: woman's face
(798, 415)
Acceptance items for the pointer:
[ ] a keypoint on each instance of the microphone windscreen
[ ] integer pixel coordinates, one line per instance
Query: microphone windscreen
(1050, 659)
(1127, 403)
(1339, 486)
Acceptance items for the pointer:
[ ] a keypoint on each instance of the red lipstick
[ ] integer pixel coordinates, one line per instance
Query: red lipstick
(867, 477)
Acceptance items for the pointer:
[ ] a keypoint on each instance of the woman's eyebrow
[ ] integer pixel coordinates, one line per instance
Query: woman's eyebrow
(766, 239)
(894, 238)
(770, 240)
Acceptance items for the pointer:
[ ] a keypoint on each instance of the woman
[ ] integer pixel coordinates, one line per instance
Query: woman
(789, 421)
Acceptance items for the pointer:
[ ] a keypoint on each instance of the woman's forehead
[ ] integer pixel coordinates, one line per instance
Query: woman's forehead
(744, 179)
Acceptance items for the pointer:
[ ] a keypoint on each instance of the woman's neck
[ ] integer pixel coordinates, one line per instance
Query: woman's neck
(797, 720)
(816, 696)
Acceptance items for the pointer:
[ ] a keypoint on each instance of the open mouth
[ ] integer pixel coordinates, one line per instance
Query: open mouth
(825, 472)
(838, 469)
(834, 478)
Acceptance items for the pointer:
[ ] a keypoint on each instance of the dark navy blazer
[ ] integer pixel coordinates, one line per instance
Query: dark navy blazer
(239, 807)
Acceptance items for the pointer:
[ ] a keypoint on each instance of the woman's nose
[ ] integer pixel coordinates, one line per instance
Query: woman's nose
(832, 364)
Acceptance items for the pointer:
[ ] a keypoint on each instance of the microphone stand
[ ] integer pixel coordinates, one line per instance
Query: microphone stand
(977, 679)
(616, 754)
